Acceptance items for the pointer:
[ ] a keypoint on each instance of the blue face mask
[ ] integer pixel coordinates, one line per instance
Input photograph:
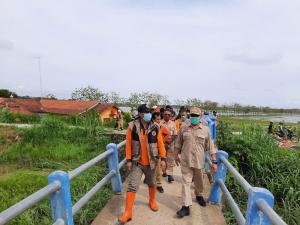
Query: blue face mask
(147, 117)
(195, 120)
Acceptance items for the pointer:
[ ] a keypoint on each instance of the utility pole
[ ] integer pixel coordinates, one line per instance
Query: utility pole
(40, 73)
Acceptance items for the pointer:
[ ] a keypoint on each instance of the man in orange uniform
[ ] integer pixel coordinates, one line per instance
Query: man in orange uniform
(169, 144)
(166, 135)
(144, 148)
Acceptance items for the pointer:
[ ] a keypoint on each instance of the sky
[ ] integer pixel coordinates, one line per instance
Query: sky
(229, 51)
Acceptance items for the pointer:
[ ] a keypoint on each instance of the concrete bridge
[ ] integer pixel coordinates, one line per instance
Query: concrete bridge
(259, 207)
(168, 202)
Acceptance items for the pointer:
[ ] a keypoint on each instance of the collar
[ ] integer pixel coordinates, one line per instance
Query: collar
(199, 126)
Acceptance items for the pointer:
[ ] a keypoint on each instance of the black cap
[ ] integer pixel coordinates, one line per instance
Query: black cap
(143, 108)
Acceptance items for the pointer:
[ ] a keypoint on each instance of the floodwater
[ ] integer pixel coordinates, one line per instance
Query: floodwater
(289, 118)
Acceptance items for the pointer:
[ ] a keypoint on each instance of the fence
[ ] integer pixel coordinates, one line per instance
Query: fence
(259, 208)
(260, 201)
(58, 189)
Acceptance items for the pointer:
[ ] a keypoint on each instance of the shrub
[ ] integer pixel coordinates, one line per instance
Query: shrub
(8, 117)
(264, 164)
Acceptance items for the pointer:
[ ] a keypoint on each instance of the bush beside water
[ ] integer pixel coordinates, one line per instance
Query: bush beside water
(263, 164)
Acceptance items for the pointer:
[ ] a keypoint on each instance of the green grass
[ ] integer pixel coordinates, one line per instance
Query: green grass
(52, 146)
(263, 164)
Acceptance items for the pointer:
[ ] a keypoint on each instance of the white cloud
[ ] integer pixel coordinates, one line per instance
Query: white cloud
(6, 45)
(255, 58)
(173, 47)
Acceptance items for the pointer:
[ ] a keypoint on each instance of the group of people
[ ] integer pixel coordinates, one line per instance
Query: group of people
(157, 140)
(283, 135)
(282, 132)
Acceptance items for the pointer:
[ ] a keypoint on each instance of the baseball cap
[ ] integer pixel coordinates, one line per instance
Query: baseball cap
(143, 108)
(195, 110)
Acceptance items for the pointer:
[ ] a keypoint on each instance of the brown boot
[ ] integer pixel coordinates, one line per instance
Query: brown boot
(127, 215)
(152, 202)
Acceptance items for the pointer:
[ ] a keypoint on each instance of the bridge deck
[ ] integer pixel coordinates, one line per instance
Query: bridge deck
(169, 202)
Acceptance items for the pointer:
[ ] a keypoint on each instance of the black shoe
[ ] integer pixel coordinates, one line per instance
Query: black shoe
(170, 179)
(201, 200)
(164, 175)
(184, 211)
(160, 189)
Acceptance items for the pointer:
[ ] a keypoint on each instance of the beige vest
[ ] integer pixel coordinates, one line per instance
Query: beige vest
(152, 148)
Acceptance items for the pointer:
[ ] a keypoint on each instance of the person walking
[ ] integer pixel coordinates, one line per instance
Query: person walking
(169, 143)
(144, 148)
(166, 135)
(191, 144)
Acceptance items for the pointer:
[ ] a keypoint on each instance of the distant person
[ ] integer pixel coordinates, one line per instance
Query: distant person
(173, 115)
(169, 144)
(166, 135)
(205, 120)
(162, 110)
(181, 119)
(169, 107)
(290, 133)
(132, 114)
(213, 117)
(270, 128)
(281, 130)
(155, 108)
(119, 120)
(188, 113)
(215, 114)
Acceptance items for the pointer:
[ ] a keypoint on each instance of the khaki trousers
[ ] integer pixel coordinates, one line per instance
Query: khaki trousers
(170, 159)
(158, 174)
(187, 176)
(135, 176)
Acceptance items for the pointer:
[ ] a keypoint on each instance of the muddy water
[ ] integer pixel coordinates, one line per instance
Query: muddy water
(277, 118)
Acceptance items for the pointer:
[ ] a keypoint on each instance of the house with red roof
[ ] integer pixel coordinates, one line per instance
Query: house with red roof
(106, 111)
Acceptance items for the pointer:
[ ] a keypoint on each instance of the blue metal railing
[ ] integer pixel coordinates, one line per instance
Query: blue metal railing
(260, 201)
(259, 208)
(58, 189)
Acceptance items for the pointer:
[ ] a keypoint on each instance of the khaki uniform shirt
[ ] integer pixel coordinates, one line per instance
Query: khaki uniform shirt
(170, 125)
(192, 142)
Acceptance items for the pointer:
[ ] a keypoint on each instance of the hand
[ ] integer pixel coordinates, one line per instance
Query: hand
(129, 165)
(214, 167)
(163, 166)
(177, 159)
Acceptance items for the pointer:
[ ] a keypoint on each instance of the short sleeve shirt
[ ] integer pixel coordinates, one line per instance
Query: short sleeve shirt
(192, 142)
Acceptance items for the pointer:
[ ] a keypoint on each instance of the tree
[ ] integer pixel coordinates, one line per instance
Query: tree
(179, 102)
(209, 105)
(156, 99)
(134, 100)
(194, 102)
(114, 97)
(89, 93)
(152, 99)
(50, 96)
(5, 93)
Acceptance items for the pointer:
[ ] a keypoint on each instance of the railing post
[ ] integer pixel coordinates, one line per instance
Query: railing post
(254, 215)
(113, 164)
(216, 192)
(61, 205)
